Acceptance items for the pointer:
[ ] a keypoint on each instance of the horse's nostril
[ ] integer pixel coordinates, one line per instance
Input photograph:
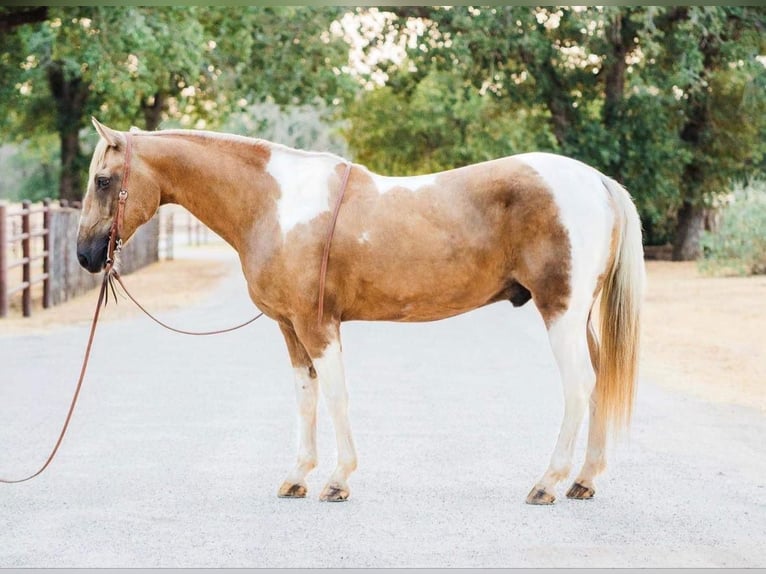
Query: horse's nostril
(83, 259)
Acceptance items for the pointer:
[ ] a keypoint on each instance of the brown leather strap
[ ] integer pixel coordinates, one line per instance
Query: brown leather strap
(328, 241)
(115, 244)
(115, 233)
(101, 296)
(181, 331)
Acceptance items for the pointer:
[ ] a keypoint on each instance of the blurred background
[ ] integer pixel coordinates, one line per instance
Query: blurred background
(671, 101)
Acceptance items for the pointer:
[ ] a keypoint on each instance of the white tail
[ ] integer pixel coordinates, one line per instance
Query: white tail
(621, 300)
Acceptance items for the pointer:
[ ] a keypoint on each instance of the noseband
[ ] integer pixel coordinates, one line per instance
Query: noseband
(115, 233)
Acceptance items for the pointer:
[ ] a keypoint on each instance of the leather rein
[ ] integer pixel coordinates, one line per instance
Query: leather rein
(114, 248)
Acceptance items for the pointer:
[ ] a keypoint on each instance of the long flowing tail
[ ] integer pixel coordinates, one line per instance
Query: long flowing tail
(621, 300)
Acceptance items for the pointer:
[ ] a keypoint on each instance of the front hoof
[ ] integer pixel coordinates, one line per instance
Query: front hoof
(290, 490)
(334, 493)
(580, 492)
(540, 496)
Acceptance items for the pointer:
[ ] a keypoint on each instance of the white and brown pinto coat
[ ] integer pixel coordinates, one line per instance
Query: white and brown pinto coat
(533, 226)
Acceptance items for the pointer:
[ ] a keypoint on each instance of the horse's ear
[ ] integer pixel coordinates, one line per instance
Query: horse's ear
(112, 137)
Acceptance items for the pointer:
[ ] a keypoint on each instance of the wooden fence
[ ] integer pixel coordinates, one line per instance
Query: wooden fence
(38, 258)
(21, 235)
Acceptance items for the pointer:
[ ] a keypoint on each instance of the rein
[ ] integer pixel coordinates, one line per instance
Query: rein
(113, 249)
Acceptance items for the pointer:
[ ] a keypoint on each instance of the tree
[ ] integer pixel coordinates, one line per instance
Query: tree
(668, 100)
(82, 61)
(189, 65)
(720, 87)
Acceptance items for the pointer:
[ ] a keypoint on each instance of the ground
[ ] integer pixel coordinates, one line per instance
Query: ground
(705, 335)
(701, 335)
(179, 444)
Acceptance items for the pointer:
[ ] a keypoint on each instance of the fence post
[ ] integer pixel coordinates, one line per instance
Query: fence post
(46, 253)
(26, 254)
(3, 254)
(169, 237)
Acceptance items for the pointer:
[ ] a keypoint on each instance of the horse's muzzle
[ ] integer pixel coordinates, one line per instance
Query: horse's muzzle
(92, 254)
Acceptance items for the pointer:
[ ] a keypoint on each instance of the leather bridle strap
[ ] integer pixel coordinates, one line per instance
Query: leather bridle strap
(115, 233)
(328, 241)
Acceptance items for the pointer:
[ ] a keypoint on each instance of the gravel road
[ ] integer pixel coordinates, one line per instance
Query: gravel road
(179, 444)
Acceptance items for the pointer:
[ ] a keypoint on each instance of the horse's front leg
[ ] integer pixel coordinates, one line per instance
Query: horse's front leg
(306, 393)
(324, 348)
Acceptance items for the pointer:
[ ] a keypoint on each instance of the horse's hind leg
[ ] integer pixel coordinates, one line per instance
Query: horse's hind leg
(294, 485)
(595, 457)
(570, 349)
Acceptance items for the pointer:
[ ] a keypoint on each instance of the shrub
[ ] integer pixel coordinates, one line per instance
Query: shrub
(738, 246)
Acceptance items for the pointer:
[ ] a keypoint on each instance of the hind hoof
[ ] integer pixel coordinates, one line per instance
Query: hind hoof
(289, 490)
(579, 491)
(334, 493)
(540, 496)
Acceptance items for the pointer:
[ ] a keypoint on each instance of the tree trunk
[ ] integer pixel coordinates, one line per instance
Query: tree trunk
(153, 111)
(70, 95)
(691, 223)
(615, 72)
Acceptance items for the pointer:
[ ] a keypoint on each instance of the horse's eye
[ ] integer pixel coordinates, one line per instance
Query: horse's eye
(103, 182)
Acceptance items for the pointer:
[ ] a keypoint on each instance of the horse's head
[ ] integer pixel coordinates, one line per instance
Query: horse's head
(99, 207)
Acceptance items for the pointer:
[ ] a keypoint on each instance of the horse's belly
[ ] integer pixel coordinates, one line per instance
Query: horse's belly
(403, 296)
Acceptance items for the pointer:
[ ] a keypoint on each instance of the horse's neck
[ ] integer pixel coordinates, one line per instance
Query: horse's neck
(222, 183)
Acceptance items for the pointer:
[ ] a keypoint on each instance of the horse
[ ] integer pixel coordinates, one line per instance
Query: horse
(534, 226)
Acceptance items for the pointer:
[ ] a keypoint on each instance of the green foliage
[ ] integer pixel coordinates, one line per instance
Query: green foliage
(442, 123)
(669, 100)
(738, 246)
(33, 168)
(306, 126)
(130, 65)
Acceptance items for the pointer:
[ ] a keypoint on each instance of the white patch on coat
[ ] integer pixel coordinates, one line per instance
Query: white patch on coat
(385, 183)
(585, 212)
(304, 186)
(364, 237)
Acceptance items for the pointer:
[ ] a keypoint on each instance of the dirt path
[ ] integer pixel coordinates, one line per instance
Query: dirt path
(162, 286)
(706, 335)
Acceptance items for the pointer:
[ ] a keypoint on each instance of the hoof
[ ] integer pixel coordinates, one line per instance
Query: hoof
(540, 496)
(288, 490)
(580, 492)
(333, 493)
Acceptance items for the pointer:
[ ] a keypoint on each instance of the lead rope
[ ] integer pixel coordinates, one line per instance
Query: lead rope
(101, 296)
(113, 250)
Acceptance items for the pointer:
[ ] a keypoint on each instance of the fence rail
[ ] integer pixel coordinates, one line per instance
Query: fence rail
(25, 240)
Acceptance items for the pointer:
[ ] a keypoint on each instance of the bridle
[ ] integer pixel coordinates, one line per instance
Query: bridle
(115, 233)
(114, 247)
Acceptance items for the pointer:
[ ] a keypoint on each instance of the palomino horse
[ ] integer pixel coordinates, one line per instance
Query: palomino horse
(532, 226)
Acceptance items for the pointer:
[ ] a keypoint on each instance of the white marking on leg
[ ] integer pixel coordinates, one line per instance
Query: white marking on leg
(304, 186)
(329, 369)
(570, 348)
(306, 395)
